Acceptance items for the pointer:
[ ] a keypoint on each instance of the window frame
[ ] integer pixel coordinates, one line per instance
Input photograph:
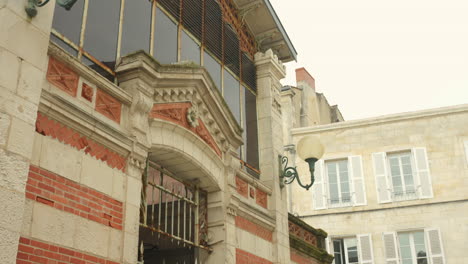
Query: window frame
(340, 203)
(405, 194)
(344, 250)
(414, 257)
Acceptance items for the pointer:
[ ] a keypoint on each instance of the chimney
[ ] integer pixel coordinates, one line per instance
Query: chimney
(302, 75)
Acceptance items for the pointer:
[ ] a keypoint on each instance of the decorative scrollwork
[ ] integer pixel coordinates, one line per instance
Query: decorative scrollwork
(289, 174)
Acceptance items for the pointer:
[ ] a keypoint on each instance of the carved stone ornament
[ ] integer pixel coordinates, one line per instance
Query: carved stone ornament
(192, 116)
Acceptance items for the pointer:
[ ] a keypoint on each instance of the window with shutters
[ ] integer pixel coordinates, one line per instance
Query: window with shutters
(351, 249)
(339, 183)
(414, 247)
(402, 175)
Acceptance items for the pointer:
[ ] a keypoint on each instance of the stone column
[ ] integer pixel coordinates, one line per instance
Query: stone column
(23, 64)
(270, 134)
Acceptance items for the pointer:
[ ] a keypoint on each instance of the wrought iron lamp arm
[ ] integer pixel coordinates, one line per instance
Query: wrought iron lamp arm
(32, 4)
(289, 174)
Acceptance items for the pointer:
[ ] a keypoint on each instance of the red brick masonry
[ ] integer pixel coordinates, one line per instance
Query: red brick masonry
(254, 228)
(66, 195)
(300, 259)
(32, 251)
(66, 135)
(244, 257)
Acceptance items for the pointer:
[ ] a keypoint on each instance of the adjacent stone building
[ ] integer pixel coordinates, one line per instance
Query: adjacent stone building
(391, 189)
(140, 131)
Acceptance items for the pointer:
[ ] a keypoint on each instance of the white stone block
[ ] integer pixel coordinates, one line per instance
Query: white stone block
(14, 171)
(115, 244)
(36, 150)
(130, 250)
(8, 246)
(97, 175)
(5, 122)
(92, 237)
(61, 159)
(133, 191)
(17, 107)
(12, 205)
(21, 138)
(118, 189)
(18, 35)
(52, 225)
(30, 82)
(10, 65)
(132, 219)
(27, 218)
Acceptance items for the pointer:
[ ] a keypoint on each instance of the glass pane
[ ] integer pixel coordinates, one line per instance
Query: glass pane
(165, 39)
(136, 26)
(405, 252)
(102, 29)
(98, 68)
(251, 128)
(404, 239)
(418, 238)
(190, 51)
(337, 251)
(213, 68)
(69, 22)
(334, 196)
(331, 168)
(345, 197)
(351, 250)
(231, 94)
(422, 261)
(407, 261)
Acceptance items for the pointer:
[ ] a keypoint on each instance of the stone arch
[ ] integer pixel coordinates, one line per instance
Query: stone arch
(186, 155)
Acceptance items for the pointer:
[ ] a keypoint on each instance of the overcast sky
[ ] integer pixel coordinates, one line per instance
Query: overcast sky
(375, 57)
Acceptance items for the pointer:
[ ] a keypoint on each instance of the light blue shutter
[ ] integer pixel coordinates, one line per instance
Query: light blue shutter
(357, 179)
(436, 251)
(319, 190)
(422, 172)
(390, 247)
(380, 172)
(365, 248)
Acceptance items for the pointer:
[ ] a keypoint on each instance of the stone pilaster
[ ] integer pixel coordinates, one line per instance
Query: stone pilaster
(23, 60)
(269, 72)
(138, 83)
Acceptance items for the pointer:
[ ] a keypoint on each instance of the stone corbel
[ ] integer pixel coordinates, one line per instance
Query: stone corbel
(139, 110)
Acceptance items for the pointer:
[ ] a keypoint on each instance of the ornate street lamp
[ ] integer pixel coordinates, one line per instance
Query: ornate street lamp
(31, 6)
(309, 149)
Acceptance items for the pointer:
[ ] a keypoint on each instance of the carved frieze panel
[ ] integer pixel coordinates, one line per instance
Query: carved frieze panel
(62, 77)
(108, 106)
(302, 234)
(180, 114)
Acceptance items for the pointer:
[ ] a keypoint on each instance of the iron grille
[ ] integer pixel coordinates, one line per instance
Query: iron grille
(173, 209)
(192, 17)
(171, 6)
(231, 49)
(249, 75)
(214, 28)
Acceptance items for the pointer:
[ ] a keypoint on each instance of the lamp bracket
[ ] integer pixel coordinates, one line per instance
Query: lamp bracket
(289, 174)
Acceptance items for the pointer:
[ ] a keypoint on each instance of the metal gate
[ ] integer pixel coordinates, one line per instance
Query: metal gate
(173, 219)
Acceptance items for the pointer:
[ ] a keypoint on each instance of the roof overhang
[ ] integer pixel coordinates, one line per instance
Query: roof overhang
(264, 23)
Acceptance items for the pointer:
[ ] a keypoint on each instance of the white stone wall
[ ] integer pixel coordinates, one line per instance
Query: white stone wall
(23, 60)
(442, 132)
